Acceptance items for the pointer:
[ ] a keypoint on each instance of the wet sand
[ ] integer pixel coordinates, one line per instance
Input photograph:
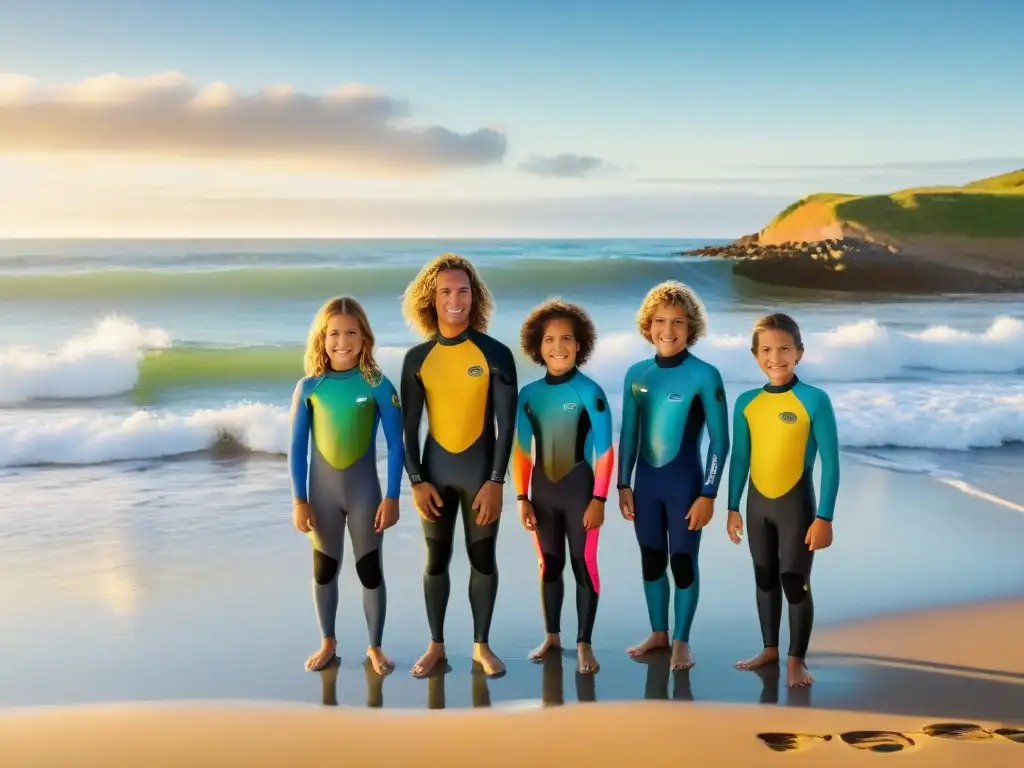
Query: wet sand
(964, 643)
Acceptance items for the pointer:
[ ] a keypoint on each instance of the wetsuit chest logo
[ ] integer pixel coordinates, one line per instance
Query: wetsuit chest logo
(362, 400)
(569, 406)
(675, 397)
(475, 370)
(787, 417)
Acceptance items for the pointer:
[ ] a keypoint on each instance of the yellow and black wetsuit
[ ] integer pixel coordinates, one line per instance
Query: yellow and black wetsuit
(778, 432)
(468, 385)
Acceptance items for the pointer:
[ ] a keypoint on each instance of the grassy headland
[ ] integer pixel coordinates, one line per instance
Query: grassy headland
(925, 239)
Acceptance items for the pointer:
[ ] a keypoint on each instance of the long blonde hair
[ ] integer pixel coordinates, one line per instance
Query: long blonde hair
(316, 361)
(418, 301)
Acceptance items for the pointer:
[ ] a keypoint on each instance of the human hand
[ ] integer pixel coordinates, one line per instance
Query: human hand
(488, 503)
(701, 512)
(387, 515)
(734, 526)
(427, 501)
(527, 516)
(593, 518)
(819, 535)
(302, 517)
(626, 503)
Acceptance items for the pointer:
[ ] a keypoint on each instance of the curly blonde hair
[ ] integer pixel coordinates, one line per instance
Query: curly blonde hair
(672, 292)
(418, 301)
(316, 361)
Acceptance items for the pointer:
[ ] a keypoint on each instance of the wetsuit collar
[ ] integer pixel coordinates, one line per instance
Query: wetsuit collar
(560, 378)
(672, 362)
(332, 374)
(447, 341)
(777, 389)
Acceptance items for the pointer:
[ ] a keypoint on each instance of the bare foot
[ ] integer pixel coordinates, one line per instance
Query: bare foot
(587, 661)
(484, 656)
(551, 642)
(797, 675)
(682, 658)
(382, 665)
(655, 641)
(426, 662)
(318, 660)
(764, 658)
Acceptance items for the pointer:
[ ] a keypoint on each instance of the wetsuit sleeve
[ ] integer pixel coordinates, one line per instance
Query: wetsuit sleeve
(413, 397)
(389, 408)
(522, 458)
(716, 414)
(739, 461)
(629, 431)
(823, 427)
(504, 397)
(298, 454)
(601, 429)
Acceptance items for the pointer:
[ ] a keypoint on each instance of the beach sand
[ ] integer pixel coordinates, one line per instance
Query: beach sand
(979, 640)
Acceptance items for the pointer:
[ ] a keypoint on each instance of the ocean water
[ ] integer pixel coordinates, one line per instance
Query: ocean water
(144, 389)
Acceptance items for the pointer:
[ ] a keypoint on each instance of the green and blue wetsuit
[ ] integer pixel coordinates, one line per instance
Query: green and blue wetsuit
(567, 419)
(666, 402)
(342, 411)
(778, 432)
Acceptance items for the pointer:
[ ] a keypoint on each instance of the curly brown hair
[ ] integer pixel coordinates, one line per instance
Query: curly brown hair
(532, 333)
(418, 301)
(316, 362)
(672, 292)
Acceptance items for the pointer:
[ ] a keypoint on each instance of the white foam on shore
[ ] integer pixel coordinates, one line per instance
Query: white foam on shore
(944, 417)
(104, 361)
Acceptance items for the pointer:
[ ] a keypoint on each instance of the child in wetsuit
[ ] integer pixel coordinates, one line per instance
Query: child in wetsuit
(565, 417)
(340, 403)
(667, 400)
(778, 431)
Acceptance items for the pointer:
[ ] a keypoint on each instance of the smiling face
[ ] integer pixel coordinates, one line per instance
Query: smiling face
(777, 355)
(558, 346)
(453, 300)
(669, 329)
(343, 342)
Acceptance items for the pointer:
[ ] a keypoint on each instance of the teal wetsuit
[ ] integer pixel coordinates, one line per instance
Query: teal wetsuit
(342, 412)
(666, 403)
(778, 432)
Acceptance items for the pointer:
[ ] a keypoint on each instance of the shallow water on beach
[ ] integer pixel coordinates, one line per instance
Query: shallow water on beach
(201, 590)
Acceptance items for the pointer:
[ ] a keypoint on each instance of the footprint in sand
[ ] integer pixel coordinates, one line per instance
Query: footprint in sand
(891, 741)
(1013, 734)
(790, 742)
(957, 731)
(878, 741)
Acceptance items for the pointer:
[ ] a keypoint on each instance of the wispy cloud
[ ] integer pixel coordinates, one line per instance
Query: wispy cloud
(912, 165)
(566, 166)
(352, 130)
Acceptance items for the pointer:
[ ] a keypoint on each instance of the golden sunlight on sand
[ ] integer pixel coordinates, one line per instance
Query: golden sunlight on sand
(983, 637)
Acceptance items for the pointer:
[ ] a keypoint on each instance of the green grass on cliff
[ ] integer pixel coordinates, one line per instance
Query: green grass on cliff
(992, 207)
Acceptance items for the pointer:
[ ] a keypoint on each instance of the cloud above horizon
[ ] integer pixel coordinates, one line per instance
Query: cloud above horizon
(565, 166)
(353, 129)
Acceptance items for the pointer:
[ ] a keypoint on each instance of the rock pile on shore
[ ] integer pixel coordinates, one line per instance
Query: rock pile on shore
(852, 264)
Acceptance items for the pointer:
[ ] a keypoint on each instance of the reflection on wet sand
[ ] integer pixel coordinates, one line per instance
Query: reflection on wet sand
(553, 681)
(436, 698)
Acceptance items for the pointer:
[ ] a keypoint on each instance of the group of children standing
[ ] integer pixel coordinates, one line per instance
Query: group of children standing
(556, 432)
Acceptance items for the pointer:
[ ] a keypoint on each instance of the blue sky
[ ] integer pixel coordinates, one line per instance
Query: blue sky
(748, 103)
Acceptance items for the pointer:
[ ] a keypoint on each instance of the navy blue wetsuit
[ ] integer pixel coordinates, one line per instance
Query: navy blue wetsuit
(665, 405)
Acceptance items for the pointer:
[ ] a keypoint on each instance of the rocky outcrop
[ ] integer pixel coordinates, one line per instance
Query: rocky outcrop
(873, 265)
